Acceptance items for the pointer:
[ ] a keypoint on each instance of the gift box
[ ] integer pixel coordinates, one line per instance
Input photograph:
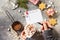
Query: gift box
(34, 1)
(30, 30)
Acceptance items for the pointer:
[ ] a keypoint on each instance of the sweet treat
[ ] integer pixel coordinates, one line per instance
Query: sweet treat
(50, 12)
(52, 21)
(42, 6)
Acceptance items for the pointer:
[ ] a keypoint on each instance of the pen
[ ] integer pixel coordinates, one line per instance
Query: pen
(39, 23)
(42, 24)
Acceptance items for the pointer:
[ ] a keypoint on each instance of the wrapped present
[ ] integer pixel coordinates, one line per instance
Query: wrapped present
(42, 6)
(30, 30)
(34, 1)
(50, 12)
(52, 21)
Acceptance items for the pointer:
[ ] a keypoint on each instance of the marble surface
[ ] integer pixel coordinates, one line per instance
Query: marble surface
(5, 21)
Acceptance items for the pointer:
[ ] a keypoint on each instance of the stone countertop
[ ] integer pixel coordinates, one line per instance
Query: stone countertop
(5, 21)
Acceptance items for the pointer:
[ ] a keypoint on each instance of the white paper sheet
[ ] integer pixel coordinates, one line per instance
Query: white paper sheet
(34, 16)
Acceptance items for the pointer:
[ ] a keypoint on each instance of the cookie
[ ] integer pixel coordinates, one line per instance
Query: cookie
(42, 6)
(50, 12)
(52, 21)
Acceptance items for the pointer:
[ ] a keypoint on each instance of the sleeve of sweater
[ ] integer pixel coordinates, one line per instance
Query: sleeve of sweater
(48, 35)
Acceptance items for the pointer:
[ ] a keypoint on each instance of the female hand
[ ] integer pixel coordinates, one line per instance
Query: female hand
(45, 26)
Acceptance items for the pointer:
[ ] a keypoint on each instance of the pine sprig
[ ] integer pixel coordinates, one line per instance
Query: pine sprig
(22, 3)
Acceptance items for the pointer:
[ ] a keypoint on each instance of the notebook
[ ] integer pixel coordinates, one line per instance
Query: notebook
(34, 16)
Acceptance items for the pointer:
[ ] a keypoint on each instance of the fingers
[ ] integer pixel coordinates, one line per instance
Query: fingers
(48, 24)
(42, 29)
(45, 26)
